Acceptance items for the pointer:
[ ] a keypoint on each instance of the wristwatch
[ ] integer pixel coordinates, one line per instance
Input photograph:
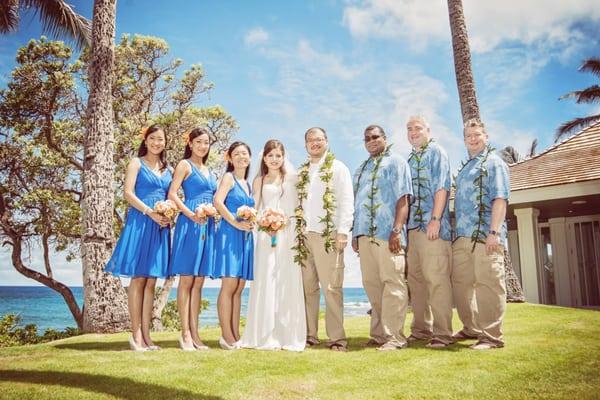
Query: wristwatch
(397, 230)
(434, 218)
(493, 232)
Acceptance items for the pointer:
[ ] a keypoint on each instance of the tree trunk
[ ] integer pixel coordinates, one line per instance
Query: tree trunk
(470, 109)
(160, 301)
(105, 300)
(514, 291)
(462, 61)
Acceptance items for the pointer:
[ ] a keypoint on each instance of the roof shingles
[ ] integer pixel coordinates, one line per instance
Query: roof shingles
(576, 159)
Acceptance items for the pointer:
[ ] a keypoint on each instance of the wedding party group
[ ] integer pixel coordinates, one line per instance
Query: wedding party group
(286, 230)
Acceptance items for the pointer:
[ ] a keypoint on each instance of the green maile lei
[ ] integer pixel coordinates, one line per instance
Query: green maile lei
(419, 182)
(478, 235)
(372, 207)
(326, 176)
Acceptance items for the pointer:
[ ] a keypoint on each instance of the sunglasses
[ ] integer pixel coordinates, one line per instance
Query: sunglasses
(367, 139)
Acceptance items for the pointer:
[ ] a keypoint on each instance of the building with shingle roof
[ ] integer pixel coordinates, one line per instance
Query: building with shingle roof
(554, 222)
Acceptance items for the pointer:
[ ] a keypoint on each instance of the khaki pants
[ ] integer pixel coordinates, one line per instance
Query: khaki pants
(322, 268)
(429, 268)
(383, 280)
(479, 289)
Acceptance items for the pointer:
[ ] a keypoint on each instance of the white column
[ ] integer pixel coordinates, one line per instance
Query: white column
(560, 261)
(527, 224)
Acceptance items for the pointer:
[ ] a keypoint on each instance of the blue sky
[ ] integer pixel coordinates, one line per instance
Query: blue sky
(280, 67)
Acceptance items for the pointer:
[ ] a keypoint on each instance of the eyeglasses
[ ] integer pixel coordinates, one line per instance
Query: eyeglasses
(367, 139)
(315, 140)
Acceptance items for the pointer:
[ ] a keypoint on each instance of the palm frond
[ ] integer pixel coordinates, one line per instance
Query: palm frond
(509, 155)
(570, 95)
(589, 95)
(591, 65)
(577, 123)
(59, 19)
(532, 148)
(9, 16)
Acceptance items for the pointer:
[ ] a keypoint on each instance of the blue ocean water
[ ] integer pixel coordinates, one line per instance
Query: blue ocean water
(47, 309)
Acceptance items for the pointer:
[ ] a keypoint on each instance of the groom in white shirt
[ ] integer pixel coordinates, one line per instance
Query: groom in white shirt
(327, 210)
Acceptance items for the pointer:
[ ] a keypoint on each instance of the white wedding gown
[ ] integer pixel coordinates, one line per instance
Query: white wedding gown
(276, 316)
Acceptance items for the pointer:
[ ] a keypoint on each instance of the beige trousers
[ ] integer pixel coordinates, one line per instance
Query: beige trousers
(384, 282)
(326, 269)
(429, 267)
(479, 290)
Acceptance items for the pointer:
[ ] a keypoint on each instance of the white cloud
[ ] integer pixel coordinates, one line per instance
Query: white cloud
(552, 23)
(502, 135)
(416, 21)
(256, 36)
(67, 272)
(344, 94)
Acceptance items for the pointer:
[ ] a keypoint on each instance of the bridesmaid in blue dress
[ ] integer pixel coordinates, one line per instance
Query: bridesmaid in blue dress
(234, 244)
(193, 243)
(142, 251)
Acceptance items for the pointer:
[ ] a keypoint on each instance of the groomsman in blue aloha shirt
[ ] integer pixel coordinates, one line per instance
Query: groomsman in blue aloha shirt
(382, 190)
(429, 238)
(482, 191)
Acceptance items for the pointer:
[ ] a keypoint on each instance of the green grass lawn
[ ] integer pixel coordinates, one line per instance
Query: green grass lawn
(550, 353)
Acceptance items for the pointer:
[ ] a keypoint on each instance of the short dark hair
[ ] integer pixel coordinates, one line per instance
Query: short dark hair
(375, 127)
(314, 129)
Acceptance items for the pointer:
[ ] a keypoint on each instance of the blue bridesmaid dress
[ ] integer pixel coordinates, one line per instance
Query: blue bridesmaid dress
(234, 249)
(143, 247)
(193, 244)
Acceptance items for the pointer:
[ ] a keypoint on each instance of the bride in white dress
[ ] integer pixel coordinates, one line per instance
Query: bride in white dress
(276, 317)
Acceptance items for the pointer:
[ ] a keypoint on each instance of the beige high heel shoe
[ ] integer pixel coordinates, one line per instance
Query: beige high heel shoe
(226, 346)
(134, 346)
(184, 347)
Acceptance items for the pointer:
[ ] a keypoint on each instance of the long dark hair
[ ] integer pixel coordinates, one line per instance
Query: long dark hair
(234, 146)
(193, 135)
(143, 149)
(271, 145)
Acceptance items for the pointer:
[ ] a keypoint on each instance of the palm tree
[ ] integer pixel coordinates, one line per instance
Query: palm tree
(470, 109)
(58, 19)
(462, 61)
(105, 301)
(510, 155)
(588, 95)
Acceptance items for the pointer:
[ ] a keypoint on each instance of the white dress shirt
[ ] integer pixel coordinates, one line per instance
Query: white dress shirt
(344, 198)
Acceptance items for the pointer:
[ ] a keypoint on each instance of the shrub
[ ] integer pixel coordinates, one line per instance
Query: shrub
(13, 335)
(170, 315)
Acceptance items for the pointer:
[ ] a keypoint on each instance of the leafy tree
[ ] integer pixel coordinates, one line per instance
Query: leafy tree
(42, 120)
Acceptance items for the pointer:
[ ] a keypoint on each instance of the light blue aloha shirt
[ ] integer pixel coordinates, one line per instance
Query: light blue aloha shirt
(433, 171)
(466, 204)
(392, 182)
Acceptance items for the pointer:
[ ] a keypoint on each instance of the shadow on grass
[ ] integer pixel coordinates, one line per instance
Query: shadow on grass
(124, 346)
(359, 344)
(121, 388)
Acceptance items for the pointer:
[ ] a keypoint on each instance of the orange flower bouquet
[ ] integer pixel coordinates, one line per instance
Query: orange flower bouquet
(271, 222)
(246, 213)
(166, 208)
(205, 211)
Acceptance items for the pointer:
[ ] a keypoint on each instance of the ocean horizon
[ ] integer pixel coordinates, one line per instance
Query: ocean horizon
(46, 308)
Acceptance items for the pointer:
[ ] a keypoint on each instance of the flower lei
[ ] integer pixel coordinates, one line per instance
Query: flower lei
(372, 207)
(326, 175)
(419, 181)
(479, 236)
